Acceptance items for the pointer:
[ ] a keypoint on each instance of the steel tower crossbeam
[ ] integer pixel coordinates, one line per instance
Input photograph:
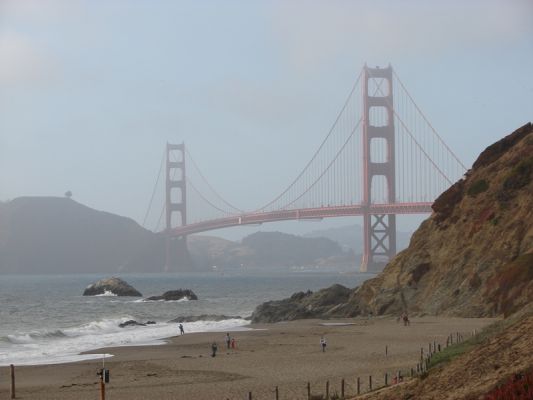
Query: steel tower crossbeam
(175, 202)
(379, 229)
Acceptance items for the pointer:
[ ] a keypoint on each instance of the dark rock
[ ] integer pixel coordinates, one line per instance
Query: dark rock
(204, 317)
(175, 295)
(302, 305)
(132, 322)
(114, 285)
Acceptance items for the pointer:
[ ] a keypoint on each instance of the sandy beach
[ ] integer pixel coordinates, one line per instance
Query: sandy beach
(287, 355)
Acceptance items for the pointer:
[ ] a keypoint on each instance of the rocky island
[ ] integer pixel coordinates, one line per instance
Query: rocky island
(113, 286)
(174, 295)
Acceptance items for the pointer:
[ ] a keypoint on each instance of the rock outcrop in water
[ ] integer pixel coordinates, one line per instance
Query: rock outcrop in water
(132, 322)
(113, 285)
(303, 305)
(473, 257)
(173, 295)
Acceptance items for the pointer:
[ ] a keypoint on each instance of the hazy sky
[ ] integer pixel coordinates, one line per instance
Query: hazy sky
(90, 91)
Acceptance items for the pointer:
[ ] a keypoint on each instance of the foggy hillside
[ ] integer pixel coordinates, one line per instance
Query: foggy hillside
(351, 236)
(59, 235)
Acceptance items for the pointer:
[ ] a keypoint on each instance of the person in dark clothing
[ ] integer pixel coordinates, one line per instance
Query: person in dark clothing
(323, 343)
(182, 331)
(214, 349)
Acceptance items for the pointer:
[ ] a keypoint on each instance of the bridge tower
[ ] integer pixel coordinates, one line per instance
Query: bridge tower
(175, 203)
(378, 138)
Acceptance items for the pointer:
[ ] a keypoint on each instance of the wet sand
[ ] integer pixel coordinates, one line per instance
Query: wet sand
(287, 355)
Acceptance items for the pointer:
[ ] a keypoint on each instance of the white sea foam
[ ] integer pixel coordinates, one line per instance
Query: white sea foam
(183, 299)
(107, 293)
(66, 345)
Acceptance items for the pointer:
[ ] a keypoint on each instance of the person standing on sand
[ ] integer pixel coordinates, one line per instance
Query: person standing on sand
(182, 331)
(214, 349)
(233, 343)
(228, 340)
(323, 343)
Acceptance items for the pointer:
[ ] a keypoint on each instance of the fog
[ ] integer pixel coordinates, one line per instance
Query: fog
(91, 91)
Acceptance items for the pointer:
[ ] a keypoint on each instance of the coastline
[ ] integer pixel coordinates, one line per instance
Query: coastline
(286, 355)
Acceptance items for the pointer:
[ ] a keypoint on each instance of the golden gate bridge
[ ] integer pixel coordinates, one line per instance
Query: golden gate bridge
(380, 158)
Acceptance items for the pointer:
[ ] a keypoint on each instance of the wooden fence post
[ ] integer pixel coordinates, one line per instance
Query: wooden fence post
(102, 388)
(358, 385)
(386, 379)
(249, 395)
(386, 350)
(308, 391)
(277, 393)
(327, 390)
(342, 388)
(369, 382)
(12, 367)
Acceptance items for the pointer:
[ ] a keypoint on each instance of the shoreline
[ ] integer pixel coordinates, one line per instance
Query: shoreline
(285, 354)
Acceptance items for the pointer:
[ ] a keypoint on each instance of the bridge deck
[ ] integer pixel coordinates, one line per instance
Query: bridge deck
(301, 214)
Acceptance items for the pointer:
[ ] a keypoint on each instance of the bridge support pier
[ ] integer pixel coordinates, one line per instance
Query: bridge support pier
(378, 139)
(175, 205)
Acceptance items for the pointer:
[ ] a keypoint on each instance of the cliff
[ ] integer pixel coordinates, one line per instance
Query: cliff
(473, 256)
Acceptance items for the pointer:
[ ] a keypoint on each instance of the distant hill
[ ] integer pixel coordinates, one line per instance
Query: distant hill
(473, 257)
(351, 237)
(54, 234)
(59, 235)
(281, 249)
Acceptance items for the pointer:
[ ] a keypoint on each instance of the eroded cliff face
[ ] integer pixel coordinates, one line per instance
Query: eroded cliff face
(474, 255)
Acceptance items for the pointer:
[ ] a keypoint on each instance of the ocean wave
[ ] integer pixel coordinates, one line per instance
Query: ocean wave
(65, 345)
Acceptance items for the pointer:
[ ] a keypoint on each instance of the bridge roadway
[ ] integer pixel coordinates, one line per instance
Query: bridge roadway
(255, 218)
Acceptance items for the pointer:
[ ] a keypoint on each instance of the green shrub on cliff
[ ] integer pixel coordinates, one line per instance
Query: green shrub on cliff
(520, 175)
(477, 187)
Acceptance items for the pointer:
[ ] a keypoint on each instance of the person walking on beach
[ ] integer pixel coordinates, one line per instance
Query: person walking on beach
(405, 319)
(233, 343)
(323, 343)
(214, 349)
(228, 340)
(182, 331)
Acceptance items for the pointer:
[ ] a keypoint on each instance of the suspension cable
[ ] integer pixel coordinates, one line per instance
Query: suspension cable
(205, 199)
(414, 139)
(427, 121)
(321, 145)
(154, 191)
(211, 187)
(328, 167)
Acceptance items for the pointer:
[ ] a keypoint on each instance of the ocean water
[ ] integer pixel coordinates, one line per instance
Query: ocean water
(45, 319)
